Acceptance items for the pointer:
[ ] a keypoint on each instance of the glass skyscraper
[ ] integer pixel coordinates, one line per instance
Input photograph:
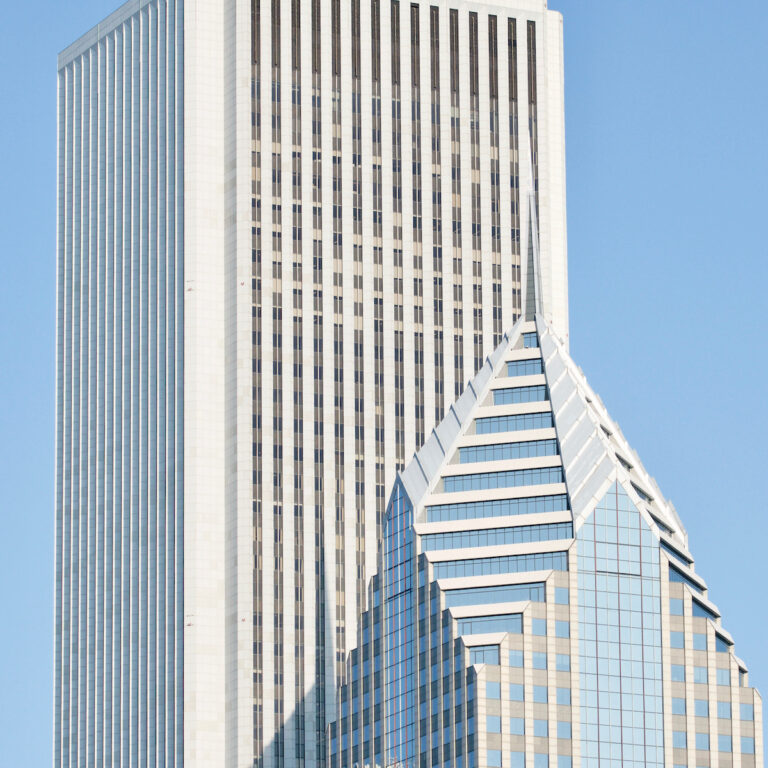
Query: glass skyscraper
(289, 233)
(536, 604)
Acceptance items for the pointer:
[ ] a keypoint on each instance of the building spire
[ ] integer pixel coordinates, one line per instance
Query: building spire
(533, 293)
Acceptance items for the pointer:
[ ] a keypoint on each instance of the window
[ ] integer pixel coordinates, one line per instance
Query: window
(525, 367)
(676, 606)
(493, 757)
(561, 596)
(747, 745)
(497, 508)
(484, 654)
(473, 510)
(677, 639)
(703, 613)
(678, 577)
(494, 537)
(540, 761)
(702, 741)
(699, 641)
(512, 478)
(699, 674)
(541, 728)
(539, 660)
(515, 658)
(517, 726)
(747, 712)
(564, 761)
(642, 494)
(511, 622)
(491, 425)
(678, 706)
(516, 692)
(674, 553)
(678, 673)
(557, 561)
(563, 729)
(721, 644)
(539, 627)
(517, 760)
(508, 593)
(564, 697)
(679, 740)
(493, 724)
(493, 690)
(701, 708)
(724, 710)
(530, 340)
(514, 395)
(563, 662)
(504, 451)
(723, 676)
(562, 629)
(540, 694)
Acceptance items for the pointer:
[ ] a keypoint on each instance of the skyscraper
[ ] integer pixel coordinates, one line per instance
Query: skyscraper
(288, 234)
(536, 603)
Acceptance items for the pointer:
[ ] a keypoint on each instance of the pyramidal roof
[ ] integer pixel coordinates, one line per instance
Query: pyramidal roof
(593, 449)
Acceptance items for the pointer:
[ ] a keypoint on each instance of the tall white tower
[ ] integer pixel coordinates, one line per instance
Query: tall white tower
(289, 232)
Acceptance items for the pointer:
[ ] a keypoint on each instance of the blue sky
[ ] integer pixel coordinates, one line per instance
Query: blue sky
(666, 108)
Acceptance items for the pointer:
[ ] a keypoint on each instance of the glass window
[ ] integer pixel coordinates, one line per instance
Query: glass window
(539, 660)
(677, 639)
(484, 654)
(517, 726)
(540, 761)
(747, 745)
(489, 537)
(517, 760)
(701, 708)
(679, 577)
(516, 692)
(678, 673)
(678, 706)
(515, 658)
(540, 694)
(563, 662)
(702, 741)
(530, 340)
(676, 606)
(561, 596)
(564, 761)
(699, 674)
(525, 367)
(702, 612)
(511, 478)
(747, 712)
(723, 676)
(511, 622)
(564, 697)
(491, 425)
(492, 690)
(724, 710)
(721, 644)
(494, 758)
(562, 628)
(493, 724)
(514, 395)
(679, 740)
(505, 451)
(563, 729)
(541, 728)
(699, 641)
(539, 627)
(473, 510)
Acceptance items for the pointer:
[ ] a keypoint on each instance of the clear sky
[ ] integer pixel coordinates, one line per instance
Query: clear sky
(666, 113)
